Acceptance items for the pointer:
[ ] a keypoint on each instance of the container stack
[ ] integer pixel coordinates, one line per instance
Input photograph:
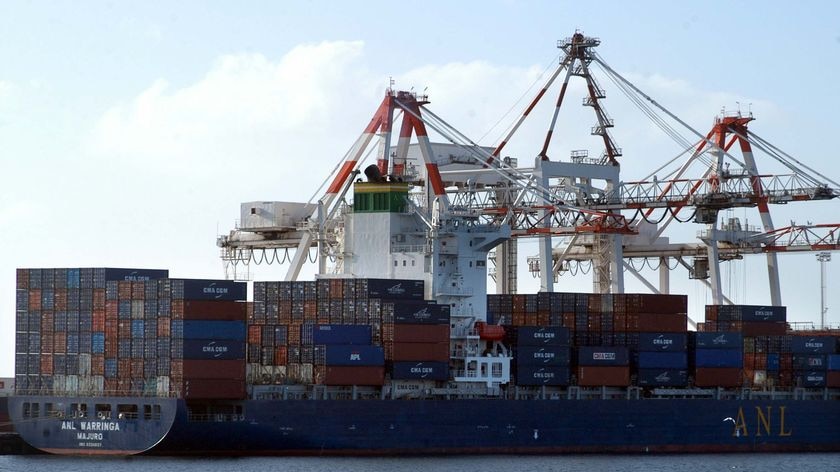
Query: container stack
(811, 355)
(208, 357)
(717, 359)
(69, 338)
(593, 319)
(129, 332)
(343, 353)
(750, 320)
(662, 360)
(542, 356)
(290, 319)
(603, 366)
(604, 321)
(832, 377)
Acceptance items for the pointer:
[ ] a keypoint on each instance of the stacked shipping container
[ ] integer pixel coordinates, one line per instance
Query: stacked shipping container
(542, 355)
(108, 331)
(311, 332)
(213, 336)
(72, 331)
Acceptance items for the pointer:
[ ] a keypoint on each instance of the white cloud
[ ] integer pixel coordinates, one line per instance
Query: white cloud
(243, 104)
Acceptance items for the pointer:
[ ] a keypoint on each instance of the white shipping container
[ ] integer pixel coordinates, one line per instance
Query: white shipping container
(162, 386)
(84, 364)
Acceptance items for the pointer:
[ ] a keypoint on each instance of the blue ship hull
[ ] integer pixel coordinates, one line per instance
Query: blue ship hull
(57, 427)
(381, 427)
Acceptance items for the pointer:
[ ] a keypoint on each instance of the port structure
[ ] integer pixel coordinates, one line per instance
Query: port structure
(461, 188)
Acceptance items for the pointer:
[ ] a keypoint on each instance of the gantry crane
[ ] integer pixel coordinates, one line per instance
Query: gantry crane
(581, 200)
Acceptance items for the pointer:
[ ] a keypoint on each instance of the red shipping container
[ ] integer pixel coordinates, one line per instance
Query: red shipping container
(124, 329)
(214, 389)
(354, 375)
(164, 327)
(112, 309)
(718, 377)
(98, 320)
(407, 352)
(603, 376)
(280, 355)
(61, 299)
(176, 309)
(138, 290)
(46, 364)
(662, 323)
(255, 334)
(22, 278)
(34, 299)
(124, 368)
(99, 299)
(176, 368)
(111, 386)
(124, 290)
(763, 328)
(60, 343)
(47, 343)
(832, 380)
(413, 333)
(215, 310)
(137, 369)
(97, 364)
(214, 369)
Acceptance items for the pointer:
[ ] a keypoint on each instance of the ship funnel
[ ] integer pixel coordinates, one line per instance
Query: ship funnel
(372, 173)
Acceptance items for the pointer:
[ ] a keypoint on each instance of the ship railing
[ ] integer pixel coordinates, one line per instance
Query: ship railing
(215, 417)
(98, 393)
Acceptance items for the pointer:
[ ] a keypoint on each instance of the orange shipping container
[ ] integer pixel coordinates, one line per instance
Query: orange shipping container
(98, 298)
(603, 376)
(718, 377)
(409, 352)
(98, 320)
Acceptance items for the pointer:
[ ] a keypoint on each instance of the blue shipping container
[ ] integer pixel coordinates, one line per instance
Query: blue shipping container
(810, 379)
(662, 378)
(339, 355)
(603, 355)
(816, 345)
(721, 340)
(137, 328)
(542, 336)
(341, 334)
(543, 355)
(718, 358)
(539, 375)
(420, 371)
(203, 289)
(393, 289)
(663, 342)
(133, 275)
(213, 349)
(834, 362)
(752, 313)
(420, 313)
(227, 330)
(809, 361)
(663, 360)
(110, 368)
(773, 362)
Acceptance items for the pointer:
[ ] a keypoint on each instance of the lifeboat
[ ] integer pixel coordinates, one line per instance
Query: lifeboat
(489, 332)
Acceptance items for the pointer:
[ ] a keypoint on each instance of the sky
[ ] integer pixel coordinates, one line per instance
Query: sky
(131, 131)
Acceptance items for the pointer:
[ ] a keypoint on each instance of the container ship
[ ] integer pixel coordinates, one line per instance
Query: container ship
(398, 348)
